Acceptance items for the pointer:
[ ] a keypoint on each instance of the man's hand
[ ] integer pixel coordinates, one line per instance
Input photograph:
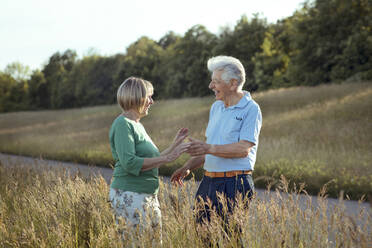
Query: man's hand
(198, 148)
(178, 176)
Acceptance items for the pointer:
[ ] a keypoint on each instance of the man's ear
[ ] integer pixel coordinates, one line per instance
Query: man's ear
(234, 84)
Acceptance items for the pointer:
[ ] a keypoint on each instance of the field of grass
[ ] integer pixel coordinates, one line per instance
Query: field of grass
(46, 208)
(312, 135)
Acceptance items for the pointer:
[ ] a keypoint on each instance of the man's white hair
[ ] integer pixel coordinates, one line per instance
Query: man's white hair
(231, 67)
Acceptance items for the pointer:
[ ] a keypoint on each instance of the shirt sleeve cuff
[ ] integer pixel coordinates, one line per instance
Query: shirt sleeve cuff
(137, 167)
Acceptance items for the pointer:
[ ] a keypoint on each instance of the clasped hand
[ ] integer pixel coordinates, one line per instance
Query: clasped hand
(197, 147)
(194, 147)
(178, 146)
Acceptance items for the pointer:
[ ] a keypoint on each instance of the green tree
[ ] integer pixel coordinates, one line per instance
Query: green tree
(169, 39)
(187, 74)
(142, 59)
(38, 92)
(333, 41)
(6, 84)
(243, 43)
(94, 80)
(13, 93)
(272, 62)
(56, 73)
(18, 71)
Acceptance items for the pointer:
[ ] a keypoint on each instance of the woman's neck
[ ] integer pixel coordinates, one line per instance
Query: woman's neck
(132, 115)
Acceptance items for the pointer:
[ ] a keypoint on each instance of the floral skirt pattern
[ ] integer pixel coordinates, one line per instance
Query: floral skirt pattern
(138, 209)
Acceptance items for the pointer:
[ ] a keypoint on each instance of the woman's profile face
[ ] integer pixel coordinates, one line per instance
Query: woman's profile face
(148, 102)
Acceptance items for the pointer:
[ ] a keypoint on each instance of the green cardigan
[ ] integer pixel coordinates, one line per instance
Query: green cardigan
(130, 144)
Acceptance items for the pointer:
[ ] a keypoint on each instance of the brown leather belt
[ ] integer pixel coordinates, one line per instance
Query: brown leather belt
(228, 173)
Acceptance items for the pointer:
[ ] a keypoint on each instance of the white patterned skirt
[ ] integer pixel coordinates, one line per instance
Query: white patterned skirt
(136, 208)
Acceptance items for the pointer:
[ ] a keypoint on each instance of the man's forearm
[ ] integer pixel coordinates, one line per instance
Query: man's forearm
(194, 162)
(235, 150)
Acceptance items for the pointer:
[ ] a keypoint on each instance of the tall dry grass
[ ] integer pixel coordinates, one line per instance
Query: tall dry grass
(312, 135)
(48, 208)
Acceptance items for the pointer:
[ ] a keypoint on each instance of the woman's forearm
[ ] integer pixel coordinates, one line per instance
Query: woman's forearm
(151, 163)
(166, 151)
(170, 154)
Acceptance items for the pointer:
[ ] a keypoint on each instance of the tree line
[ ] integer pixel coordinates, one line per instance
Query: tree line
(324, 41)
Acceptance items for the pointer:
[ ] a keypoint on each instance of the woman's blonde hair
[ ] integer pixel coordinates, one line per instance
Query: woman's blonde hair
(132, 94)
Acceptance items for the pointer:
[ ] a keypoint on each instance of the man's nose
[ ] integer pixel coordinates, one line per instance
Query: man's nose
(210, 85)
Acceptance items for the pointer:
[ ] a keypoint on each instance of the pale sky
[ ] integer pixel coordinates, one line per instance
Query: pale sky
(32, 30)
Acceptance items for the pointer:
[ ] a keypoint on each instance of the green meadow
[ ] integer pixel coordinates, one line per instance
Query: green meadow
(314, 136)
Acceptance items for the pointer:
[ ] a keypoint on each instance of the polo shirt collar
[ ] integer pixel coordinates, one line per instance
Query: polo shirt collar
(243, 101)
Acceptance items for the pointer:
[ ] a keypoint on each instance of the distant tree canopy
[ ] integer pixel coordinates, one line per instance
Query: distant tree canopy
(325, 41)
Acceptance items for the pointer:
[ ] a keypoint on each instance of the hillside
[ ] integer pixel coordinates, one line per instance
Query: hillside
(315, 135)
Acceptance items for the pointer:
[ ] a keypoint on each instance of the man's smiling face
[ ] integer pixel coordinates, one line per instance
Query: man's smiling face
(219, 87)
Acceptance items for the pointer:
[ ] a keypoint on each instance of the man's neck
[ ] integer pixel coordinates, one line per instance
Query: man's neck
(233, 99)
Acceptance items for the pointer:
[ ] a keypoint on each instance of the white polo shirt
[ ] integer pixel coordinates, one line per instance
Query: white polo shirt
(242, 121)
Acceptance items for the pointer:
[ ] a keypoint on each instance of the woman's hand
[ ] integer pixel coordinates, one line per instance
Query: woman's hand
(156, 162)
(180, 136)
(178, 176)
(178, 139)
(177, 151)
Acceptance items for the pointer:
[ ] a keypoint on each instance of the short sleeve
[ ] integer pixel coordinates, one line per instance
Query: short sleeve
(211, 111)
(124, 140)
(251, 125)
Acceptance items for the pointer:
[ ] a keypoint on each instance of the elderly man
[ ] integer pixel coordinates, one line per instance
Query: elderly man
(229, 154)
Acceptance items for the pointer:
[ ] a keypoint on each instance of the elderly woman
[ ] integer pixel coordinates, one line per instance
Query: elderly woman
(133, 191)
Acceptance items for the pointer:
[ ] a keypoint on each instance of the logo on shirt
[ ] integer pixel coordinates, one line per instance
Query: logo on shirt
(238, 118)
